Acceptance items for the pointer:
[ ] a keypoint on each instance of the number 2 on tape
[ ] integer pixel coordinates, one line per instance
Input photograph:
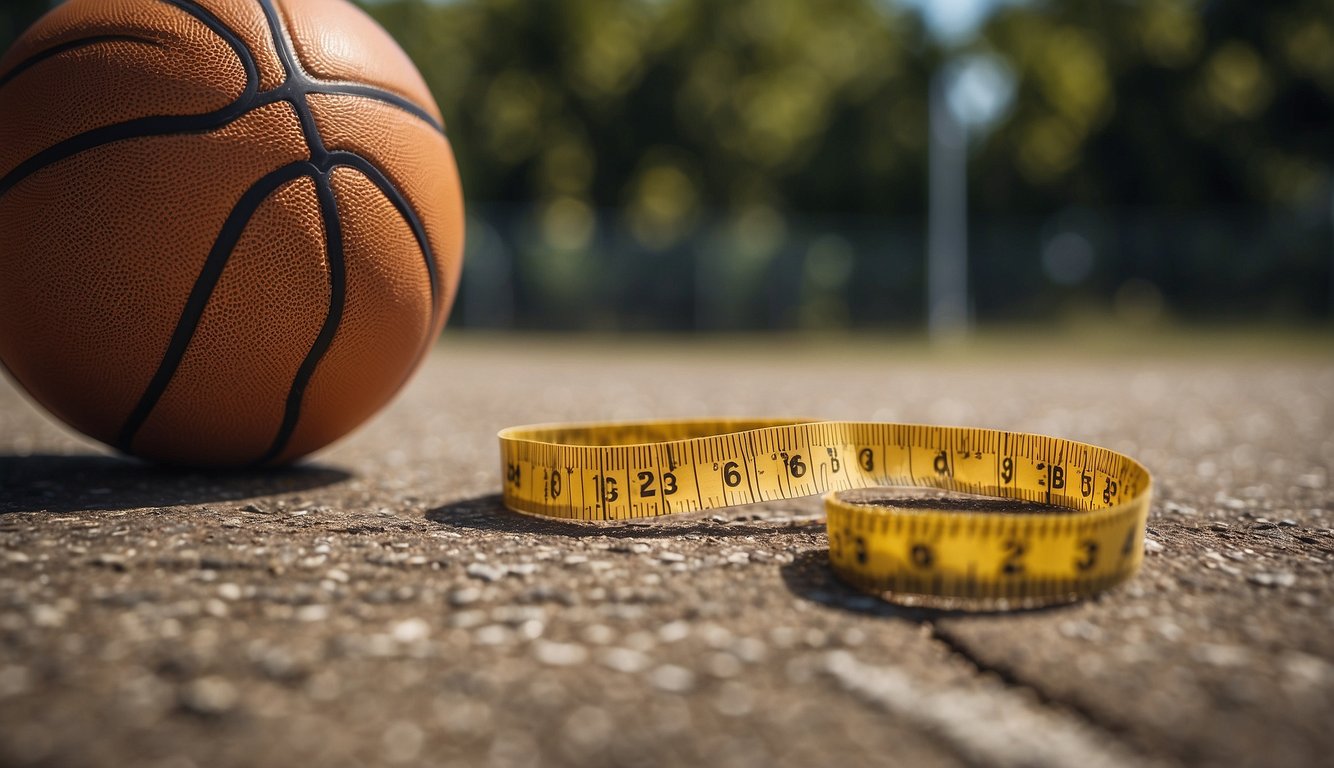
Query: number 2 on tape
(1088, 537)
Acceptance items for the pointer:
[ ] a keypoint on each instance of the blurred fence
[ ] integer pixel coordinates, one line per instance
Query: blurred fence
(544, 268)
(762, 164)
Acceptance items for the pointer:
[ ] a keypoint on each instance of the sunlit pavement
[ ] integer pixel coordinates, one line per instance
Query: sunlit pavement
(378, 605)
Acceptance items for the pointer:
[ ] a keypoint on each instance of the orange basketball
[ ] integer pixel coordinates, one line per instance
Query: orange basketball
(229, 229)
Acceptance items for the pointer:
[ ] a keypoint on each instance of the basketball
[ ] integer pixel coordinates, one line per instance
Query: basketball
(229, 229)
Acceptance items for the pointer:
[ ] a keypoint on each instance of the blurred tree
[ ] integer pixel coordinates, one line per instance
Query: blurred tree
(1177, 104)
(666, 107)
(669, 105)
(1195, 137)
(1182, 143)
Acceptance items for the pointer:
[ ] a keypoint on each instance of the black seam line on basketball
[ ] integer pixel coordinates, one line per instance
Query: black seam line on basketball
(337, 298)
(375, 94)
(294, 86)
(71, 45)
(306, 83)
(381, 180)
(370, 93)
(202, 292)
(386, 187)
(157, 125)
(276, 29)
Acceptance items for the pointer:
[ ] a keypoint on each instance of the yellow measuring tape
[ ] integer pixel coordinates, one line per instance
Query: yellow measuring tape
(935, 551)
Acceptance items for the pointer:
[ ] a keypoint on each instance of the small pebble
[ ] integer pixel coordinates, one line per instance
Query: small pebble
(723, 665)
(559, 654)
(493, 634)
(672, 678)
(467, 619)
(624, 660)
(209, 696)
(47, 616)
(411, 630)
(598, 634)
(754, 651)
(312, 613)
(1221, 655)
(110, 560)
(673, 631)
(465, 596)
(1275, 579)
(486, 572)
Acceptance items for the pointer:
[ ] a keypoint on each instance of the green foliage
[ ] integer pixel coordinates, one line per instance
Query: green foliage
(667, 105)
(762, 163)
(671, 107)
(1169, 103)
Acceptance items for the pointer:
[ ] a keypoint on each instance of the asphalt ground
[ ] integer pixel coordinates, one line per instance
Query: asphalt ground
(378, 605)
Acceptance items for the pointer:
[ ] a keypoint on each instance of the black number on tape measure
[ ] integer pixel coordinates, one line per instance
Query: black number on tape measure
(606, 488)
(835, 545)
(646, 485)
(1090, 555)
(1111, 497)
(942, 464)
(1014, 554)
(795, 466)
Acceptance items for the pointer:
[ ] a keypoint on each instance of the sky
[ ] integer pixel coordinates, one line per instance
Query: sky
(954, 21)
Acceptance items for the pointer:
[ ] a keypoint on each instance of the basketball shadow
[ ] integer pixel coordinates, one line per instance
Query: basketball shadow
(489, 513)
(61, 484)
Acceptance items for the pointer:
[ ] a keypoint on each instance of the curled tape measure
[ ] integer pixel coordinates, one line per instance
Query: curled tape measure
(933, 551)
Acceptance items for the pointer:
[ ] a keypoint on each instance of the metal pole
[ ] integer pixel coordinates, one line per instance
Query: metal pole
(947, 226)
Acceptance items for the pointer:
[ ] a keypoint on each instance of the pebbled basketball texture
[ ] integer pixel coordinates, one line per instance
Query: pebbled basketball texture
(229, 229)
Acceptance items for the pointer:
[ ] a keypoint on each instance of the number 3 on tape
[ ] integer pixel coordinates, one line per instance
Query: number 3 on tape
(1089, 537)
